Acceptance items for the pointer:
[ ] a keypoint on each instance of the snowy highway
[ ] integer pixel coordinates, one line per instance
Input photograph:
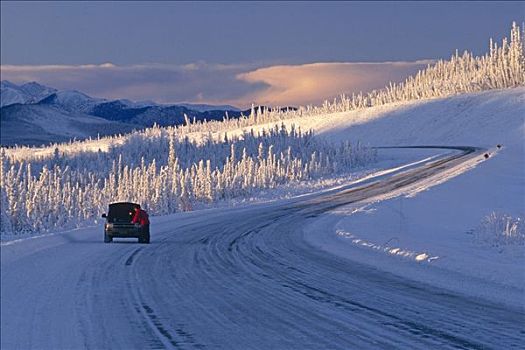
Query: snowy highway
(240, 278)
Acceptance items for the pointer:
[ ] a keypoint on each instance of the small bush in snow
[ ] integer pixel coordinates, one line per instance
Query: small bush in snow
(501, 229)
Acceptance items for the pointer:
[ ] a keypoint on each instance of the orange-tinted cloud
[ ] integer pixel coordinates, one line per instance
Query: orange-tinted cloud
(313, 83)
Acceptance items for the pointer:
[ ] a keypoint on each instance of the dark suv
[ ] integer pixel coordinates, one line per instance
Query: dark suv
(118, 223)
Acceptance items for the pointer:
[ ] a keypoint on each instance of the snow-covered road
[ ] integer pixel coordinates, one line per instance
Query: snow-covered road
(237, 279)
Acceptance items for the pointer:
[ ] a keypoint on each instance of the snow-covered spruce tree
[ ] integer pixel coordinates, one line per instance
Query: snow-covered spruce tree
(164, 173)
(5, 214)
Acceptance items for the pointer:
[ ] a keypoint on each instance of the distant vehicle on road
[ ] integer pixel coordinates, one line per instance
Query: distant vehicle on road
(126, 220)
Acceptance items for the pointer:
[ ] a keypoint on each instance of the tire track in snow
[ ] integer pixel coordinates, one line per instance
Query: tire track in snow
(167, 339)
(129, 260)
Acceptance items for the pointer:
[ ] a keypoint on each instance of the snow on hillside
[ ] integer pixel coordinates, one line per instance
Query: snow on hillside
(40, 124)
(480, 119)
(432, 232)
(129, 114)
(27, 93)
(11, 96)
(435, 121)
(37, 91)
(74, 101)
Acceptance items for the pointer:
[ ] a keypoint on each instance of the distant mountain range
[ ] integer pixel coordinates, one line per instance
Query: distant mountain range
(24, 94)
(34, 114)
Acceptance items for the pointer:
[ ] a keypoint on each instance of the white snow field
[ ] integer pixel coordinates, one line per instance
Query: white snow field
(289, 274)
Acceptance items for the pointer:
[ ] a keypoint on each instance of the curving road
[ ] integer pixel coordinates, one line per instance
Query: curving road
(237, 279)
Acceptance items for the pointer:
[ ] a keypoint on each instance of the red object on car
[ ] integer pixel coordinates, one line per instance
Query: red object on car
(140, 217)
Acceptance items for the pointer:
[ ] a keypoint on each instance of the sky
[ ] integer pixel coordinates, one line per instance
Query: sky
(276, 53)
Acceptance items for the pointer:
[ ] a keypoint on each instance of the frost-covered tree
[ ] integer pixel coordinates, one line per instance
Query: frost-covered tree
(164, 173)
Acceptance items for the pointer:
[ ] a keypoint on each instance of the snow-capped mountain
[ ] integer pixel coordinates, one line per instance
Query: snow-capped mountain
(33, 105)
(34, 124)
(31, 92)
(76, 101)
(72, 101)
(10, 95)
(75, 105)
(36, 90)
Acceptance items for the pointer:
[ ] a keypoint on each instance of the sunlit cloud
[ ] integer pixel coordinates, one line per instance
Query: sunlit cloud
(313, 83)
(200, 82)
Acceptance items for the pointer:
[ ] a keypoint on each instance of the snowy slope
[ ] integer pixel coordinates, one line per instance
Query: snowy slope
(72, 101)
(26, 93)
(482, 119)
(11, 96)
(432, 235)
(37, 91)
(128, 114)
(37, 124)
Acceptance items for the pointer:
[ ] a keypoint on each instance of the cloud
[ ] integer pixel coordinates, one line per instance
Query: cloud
(197, 82)
(312, 83)
(201, 82)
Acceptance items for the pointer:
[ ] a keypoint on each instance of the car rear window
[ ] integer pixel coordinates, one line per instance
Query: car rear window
(121, 212)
